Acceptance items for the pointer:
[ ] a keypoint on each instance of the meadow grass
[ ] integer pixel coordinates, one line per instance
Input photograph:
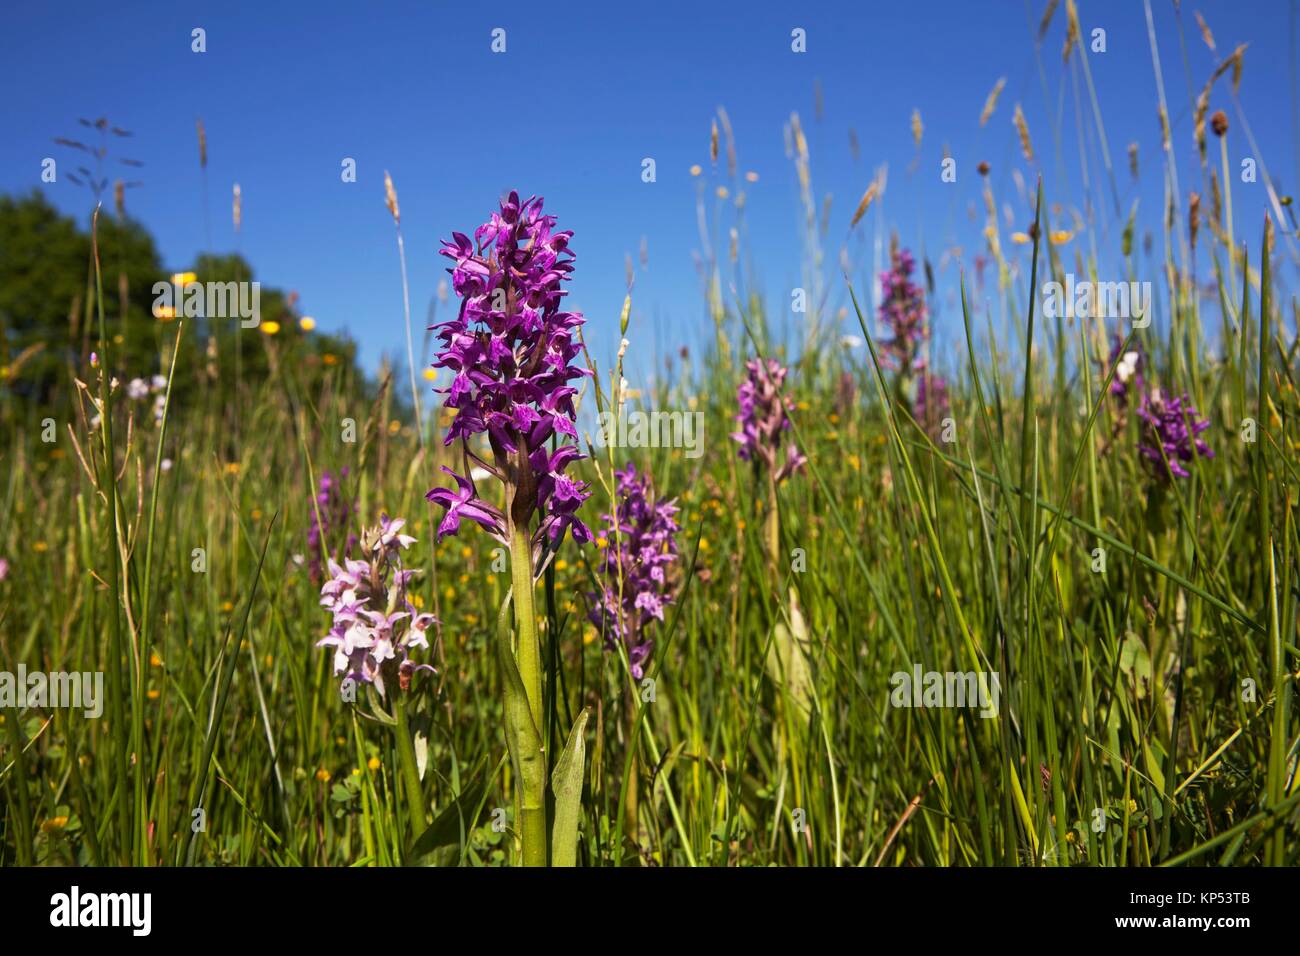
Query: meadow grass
(1122, 690)
(1146, 713)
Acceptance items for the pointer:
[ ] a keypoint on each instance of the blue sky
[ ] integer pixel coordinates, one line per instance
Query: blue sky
(584, 92)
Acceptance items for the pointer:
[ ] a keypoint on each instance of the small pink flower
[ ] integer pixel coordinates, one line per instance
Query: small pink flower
(389, 536)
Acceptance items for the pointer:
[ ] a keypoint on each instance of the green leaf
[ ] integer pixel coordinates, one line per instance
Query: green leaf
(1135, 662)
(1153, 764)
(377, 710)
(457, 818)
(522, 736)
(787, 659)
(566, 781)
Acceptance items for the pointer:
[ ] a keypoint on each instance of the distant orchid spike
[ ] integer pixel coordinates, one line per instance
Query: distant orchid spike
(763, 419)
(903, 311)
(641, 552)
(1171, 425)
(511, 349)
(329, 515)
(931, 406)
(375, 624)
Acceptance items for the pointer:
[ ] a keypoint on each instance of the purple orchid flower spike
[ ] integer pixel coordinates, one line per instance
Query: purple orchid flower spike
(512, 349)
(903, 311)
(763, 419)
(375, 625)
(642, 549)
(1169, 429)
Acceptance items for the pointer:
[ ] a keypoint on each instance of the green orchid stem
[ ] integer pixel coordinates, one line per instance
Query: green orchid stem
(410, 773)
(772, 531)
(528, 659)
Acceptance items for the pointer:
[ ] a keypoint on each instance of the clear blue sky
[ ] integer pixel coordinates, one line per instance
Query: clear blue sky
(584, 92)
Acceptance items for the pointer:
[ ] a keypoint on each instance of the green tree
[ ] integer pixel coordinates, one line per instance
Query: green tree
(48, 324)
